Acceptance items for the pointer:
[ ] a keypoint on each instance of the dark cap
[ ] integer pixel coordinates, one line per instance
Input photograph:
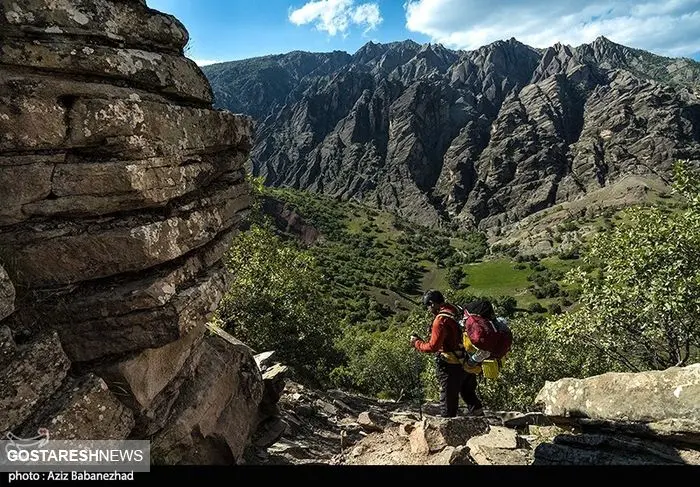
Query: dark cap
(433, 297)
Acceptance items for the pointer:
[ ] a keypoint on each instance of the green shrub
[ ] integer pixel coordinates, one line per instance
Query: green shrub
(641, 304)
(275, 302)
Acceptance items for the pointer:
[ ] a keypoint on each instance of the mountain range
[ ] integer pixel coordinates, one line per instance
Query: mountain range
(478, 139)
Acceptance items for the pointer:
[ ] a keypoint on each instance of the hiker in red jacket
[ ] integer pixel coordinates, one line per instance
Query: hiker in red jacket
(446, 337)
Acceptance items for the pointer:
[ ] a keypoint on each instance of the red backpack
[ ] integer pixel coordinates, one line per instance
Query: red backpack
(491, 335)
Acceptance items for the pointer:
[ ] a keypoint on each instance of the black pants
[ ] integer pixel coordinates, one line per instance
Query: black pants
(455, 382)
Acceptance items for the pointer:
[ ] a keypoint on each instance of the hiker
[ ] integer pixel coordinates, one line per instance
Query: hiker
(445, 339)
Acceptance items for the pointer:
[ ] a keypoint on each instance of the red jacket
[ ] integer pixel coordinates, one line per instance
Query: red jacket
(444, 333)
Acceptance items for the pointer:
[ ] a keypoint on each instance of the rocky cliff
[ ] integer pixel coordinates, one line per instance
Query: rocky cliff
(120, 188)
(480, 138)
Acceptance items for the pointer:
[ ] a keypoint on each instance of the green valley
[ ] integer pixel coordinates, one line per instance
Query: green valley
(376, 262)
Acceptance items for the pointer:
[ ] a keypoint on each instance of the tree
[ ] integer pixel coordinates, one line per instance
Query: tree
(641, 307)
(382, 363)
(275, 301)
(455, 276)
(538, 355)
(505, 305)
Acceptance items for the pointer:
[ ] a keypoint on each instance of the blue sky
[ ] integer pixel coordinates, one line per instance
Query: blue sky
(237, 29)
(224, 30)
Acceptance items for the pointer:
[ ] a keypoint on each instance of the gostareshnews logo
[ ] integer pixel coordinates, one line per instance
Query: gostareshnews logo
(78, 457)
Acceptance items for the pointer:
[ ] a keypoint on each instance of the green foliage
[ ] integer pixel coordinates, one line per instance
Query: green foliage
(544, 282)
(364, 250)
(571, 253)
(539, 354)
(455, 276)
(505, 305)
(335, 308)
(641, 307)
(257, 184)
(382, 362)
(256, 216)
(275, 302)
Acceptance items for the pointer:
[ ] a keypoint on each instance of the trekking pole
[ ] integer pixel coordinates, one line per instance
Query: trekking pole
(419, 386)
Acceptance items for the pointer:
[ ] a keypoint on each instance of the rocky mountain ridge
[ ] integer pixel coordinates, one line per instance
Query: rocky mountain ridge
(478, 138)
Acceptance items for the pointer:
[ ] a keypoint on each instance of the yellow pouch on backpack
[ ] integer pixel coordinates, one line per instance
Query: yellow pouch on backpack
(490, 369)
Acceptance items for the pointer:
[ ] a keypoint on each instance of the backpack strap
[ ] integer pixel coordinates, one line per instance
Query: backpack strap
(447, 315)
(455, 356)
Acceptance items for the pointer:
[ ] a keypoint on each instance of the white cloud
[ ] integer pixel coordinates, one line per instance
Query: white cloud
(336, 16)
(670, 28)
(367, 13)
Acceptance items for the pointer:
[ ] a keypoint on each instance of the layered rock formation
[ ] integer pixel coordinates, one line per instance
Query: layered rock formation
(120, 189)
(480, 138)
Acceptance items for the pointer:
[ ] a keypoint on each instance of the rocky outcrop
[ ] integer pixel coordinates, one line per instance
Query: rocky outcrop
(646, 418)
(31, 373)
(212, 417)
(289, 222)
(481, 138)
(624, 418)
(121, 190)
(673, 393)
(269, 423)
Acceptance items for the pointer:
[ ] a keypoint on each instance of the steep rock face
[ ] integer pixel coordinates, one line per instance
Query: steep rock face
(121, 189)
(263, 84)
(480, 138)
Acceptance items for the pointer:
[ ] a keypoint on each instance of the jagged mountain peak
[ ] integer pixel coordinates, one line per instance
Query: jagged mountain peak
(434, 46)
(439, 55)
(372, 46)
(605, 49)
(505, 57)
(604, 41)
(509, 61)
(376, 54)
(511, 43)
(369, 51)
(646, 65)
(406, 43)
(478, 138)
(560, 50)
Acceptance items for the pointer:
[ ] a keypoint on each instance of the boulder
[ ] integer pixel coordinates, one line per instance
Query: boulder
(30, 374)
(214, 416)
(649, 396)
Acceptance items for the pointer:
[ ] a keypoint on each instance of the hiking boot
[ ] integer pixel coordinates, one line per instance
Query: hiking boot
(476, 412)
